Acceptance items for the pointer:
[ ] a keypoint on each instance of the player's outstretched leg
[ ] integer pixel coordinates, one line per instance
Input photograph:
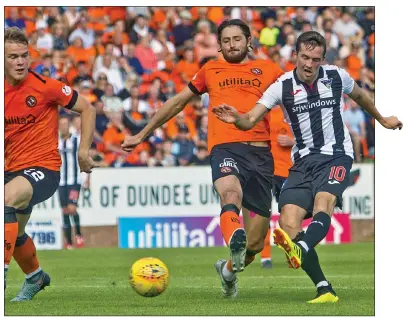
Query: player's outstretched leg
(266, 258)
(25, 255)
(325, 292)
(228, 279)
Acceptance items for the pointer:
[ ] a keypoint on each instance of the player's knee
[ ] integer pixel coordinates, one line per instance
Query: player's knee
(289, 222)
(324, 202)
(231, 197)
(15, 198)
(255, 243)
(71, 209)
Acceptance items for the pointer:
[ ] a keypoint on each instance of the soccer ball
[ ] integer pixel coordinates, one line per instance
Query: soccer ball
(149, 277)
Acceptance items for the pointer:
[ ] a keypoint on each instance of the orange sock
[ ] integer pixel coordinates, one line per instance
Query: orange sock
(266, 252)
(229, 222)
(25, 254)
(10, 237)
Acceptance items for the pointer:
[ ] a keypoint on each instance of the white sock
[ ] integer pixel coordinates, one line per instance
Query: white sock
(322, 283)
(33, 273)
(265, 259)
(228, 275)
(304, 245)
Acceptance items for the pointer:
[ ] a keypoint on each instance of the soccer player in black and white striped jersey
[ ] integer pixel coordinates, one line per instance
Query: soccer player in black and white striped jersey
(70, 182)
(312, 100)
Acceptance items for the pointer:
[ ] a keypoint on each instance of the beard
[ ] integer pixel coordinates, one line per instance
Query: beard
(236, 58)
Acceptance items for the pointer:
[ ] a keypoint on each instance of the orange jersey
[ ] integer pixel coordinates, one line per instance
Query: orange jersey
(239, 85)
(281, 154)
(31, 122)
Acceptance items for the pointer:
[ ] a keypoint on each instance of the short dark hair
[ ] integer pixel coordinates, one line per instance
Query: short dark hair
(15, 35)
(234, 22)
(311, 39)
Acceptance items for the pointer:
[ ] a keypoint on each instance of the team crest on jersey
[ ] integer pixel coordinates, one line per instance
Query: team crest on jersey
(256, 71)
(66, 90)
(327, 83)
(31, 101)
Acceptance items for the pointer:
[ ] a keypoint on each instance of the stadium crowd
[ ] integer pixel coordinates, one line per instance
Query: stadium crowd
(127, 61)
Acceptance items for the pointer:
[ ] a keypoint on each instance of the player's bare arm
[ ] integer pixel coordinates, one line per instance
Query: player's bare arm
(363, 100)
(171, 107)
(244, 122)
(88, 119)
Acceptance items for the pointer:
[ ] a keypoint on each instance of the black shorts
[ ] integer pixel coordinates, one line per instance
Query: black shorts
(69, 194)
(253, 166)
(277, 186)
(313, 174)
(44, 183)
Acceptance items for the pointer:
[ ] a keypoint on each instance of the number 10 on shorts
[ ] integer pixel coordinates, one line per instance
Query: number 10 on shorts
(337, 174)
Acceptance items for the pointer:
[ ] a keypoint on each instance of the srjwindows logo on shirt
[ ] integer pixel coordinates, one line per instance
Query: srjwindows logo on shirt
(306, 107)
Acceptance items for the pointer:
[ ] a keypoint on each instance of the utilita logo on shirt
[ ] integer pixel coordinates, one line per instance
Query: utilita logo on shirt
(19, 120)
(306, 107)
(232, 82)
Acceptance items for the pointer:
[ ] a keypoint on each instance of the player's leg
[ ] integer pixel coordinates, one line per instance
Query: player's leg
(73, 198)
(266, 253)
(44, 184)
(228, 178)
(67, 227)
(330, 179)
(17, 195)
(257, 227)
(230, 192)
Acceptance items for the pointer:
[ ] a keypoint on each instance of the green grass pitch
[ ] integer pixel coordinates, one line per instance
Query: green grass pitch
(95, 282)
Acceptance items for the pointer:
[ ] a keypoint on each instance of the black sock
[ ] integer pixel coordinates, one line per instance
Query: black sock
(76, 219)
(312, 267)
(67, 229)
(316, 231)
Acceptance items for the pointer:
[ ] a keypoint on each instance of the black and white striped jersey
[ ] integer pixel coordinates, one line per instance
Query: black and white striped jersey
(315, 112)
(70, 170)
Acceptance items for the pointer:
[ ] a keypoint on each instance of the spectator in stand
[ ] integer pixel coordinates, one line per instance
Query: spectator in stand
(100, 85)
(168, 158)
(102, 120)
(133, 60)
(133, 120)
(354, 119)
(183, 147)
(83, 32)
(145, 54)
(14, 20)
(205, 42)
(270, 33)
(139, 29)
(112, 72)
(112, 103)
(201, 136)
(59, 36)
(201, 157)
(45, 41)
(46, 63)
(83, 73)
(183, 31)
(163, 49)
(347, 29)
(185, 69)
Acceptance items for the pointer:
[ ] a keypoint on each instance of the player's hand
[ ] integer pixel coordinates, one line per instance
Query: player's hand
(285, 140)
(131, 142)
(391, 122)
(86, 163)
(226, 113)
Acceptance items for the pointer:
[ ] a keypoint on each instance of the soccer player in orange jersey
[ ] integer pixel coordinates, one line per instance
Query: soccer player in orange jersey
(32, 160)
(242, 165)
(281, 142)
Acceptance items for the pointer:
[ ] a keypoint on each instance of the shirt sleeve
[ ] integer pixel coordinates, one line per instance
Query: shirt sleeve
(272, 96)
(198, 83)
(348, 81)
(61, 94)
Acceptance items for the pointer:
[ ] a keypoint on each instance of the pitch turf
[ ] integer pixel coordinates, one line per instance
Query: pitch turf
(94, 282)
